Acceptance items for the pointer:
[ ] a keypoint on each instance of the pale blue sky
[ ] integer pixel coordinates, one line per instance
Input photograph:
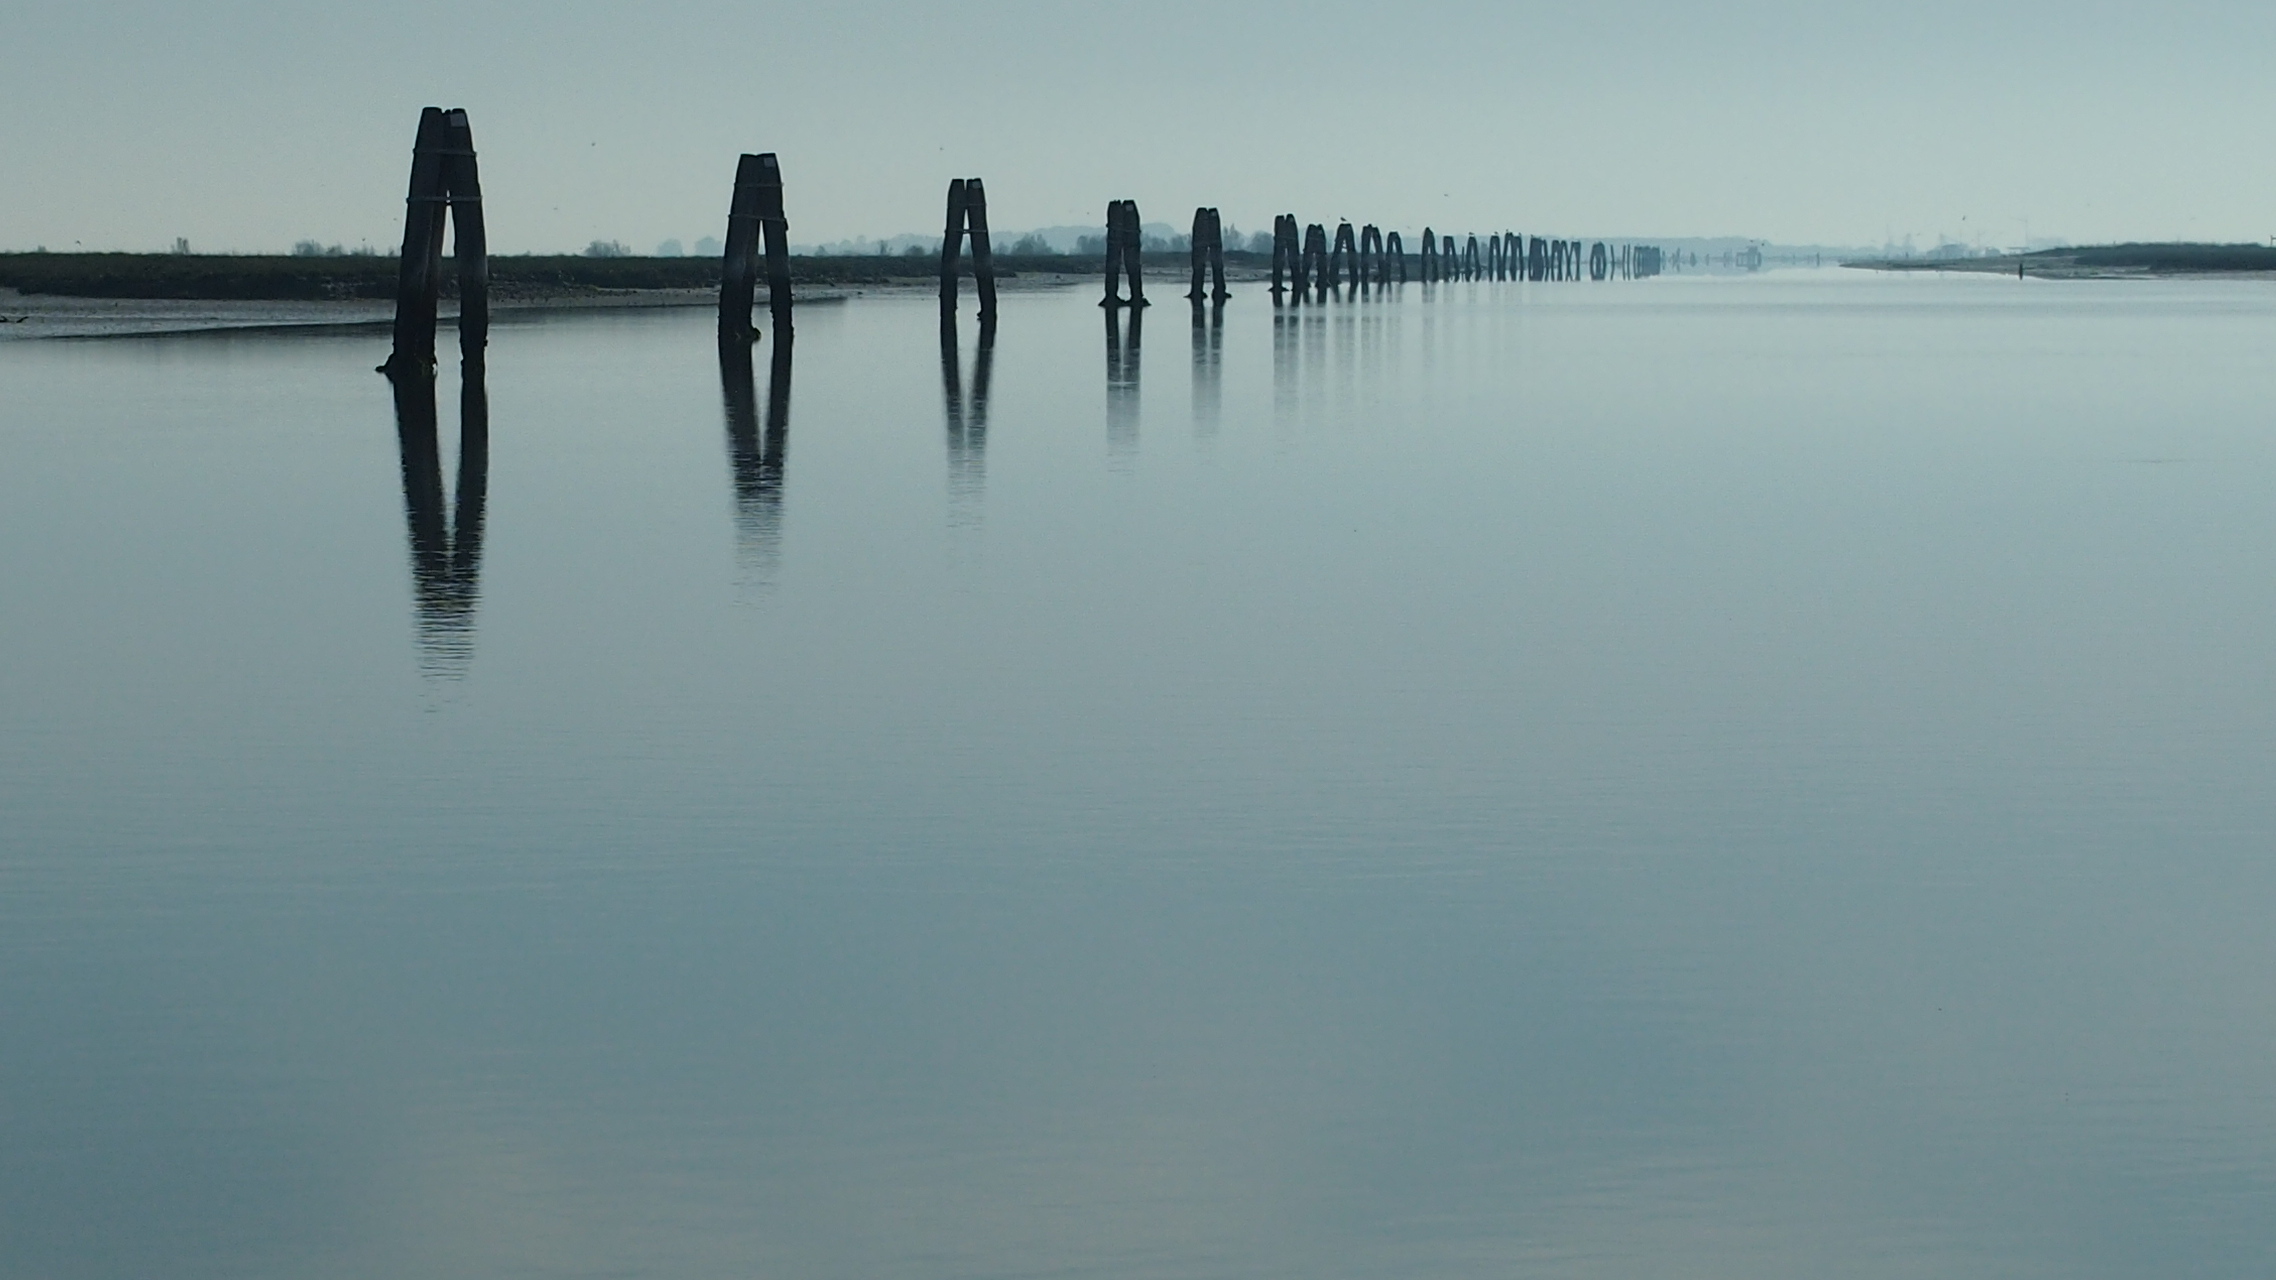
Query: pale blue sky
(248, 124)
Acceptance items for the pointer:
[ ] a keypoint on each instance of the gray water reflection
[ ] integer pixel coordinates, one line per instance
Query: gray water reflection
(1208, 361)
(1122, 381)
(967, 419)
(445, 543)
(1749, 778)
(756, 459)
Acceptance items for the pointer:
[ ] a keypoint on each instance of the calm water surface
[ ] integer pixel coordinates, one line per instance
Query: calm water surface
(1686, 778)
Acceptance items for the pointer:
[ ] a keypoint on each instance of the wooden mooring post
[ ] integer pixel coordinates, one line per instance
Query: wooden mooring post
(1217, 257)
(1372, 266)
(755, 226)
(1430, 256)
(1208, 256)
(1396, 251)
(444, 183)
(1313, 267)
(1343, 259)
(1284, 253)
(967, 215)
(1198, 247)
(1124, 253)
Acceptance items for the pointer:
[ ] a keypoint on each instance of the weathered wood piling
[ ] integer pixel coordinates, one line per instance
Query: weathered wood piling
(1284, 253)
(983, 252)
(1343, 259)
(1313, 268)
(1396, 251)
(1208, 256)
(755, 225)
(444, 183)
(967, 216)
(1429, 256)
(1124, 254)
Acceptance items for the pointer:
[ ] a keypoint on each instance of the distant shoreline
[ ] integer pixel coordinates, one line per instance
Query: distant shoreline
(96, 295)
(323, 278)
(2101, 262)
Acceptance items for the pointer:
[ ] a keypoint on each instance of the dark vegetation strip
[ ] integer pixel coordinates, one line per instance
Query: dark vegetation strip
(306, 278)
(2169, 257)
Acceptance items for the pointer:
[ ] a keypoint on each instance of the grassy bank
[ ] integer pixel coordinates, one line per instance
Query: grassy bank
(294, 278)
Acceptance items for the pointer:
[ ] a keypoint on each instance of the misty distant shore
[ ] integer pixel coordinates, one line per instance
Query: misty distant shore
(2090, 262)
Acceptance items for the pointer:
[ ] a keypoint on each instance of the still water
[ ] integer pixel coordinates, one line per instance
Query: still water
(1682, 778)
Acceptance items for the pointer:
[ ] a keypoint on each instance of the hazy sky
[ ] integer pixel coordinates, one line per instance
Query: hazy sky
(248, 124)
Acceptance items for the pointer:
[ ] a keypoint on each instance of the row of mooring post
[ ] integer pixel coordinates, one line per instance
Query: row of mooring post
(968, 216)
(444, 183)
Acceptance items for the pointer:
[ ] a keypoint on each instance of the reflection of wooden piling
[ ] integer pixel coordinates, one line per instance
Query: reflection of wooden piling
(445, 543)
(1122, 380)
(756, 459)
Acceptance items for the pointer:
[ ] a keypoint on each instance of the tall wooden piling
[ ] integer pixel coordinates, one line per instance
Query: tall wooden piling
(983, 253)
(952, 246)
(416, 283)
(1372, 266)
(967, 216)
(1133, 252)
(1343, 259)
(1429, 256)
(1198, 244)
(470, 245)
(1315, 261)
(774, 230)
(1217, 256)
(1396, 251)
(739, 265)
(1284, 252)
(1113, 296)
(1471, 266)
